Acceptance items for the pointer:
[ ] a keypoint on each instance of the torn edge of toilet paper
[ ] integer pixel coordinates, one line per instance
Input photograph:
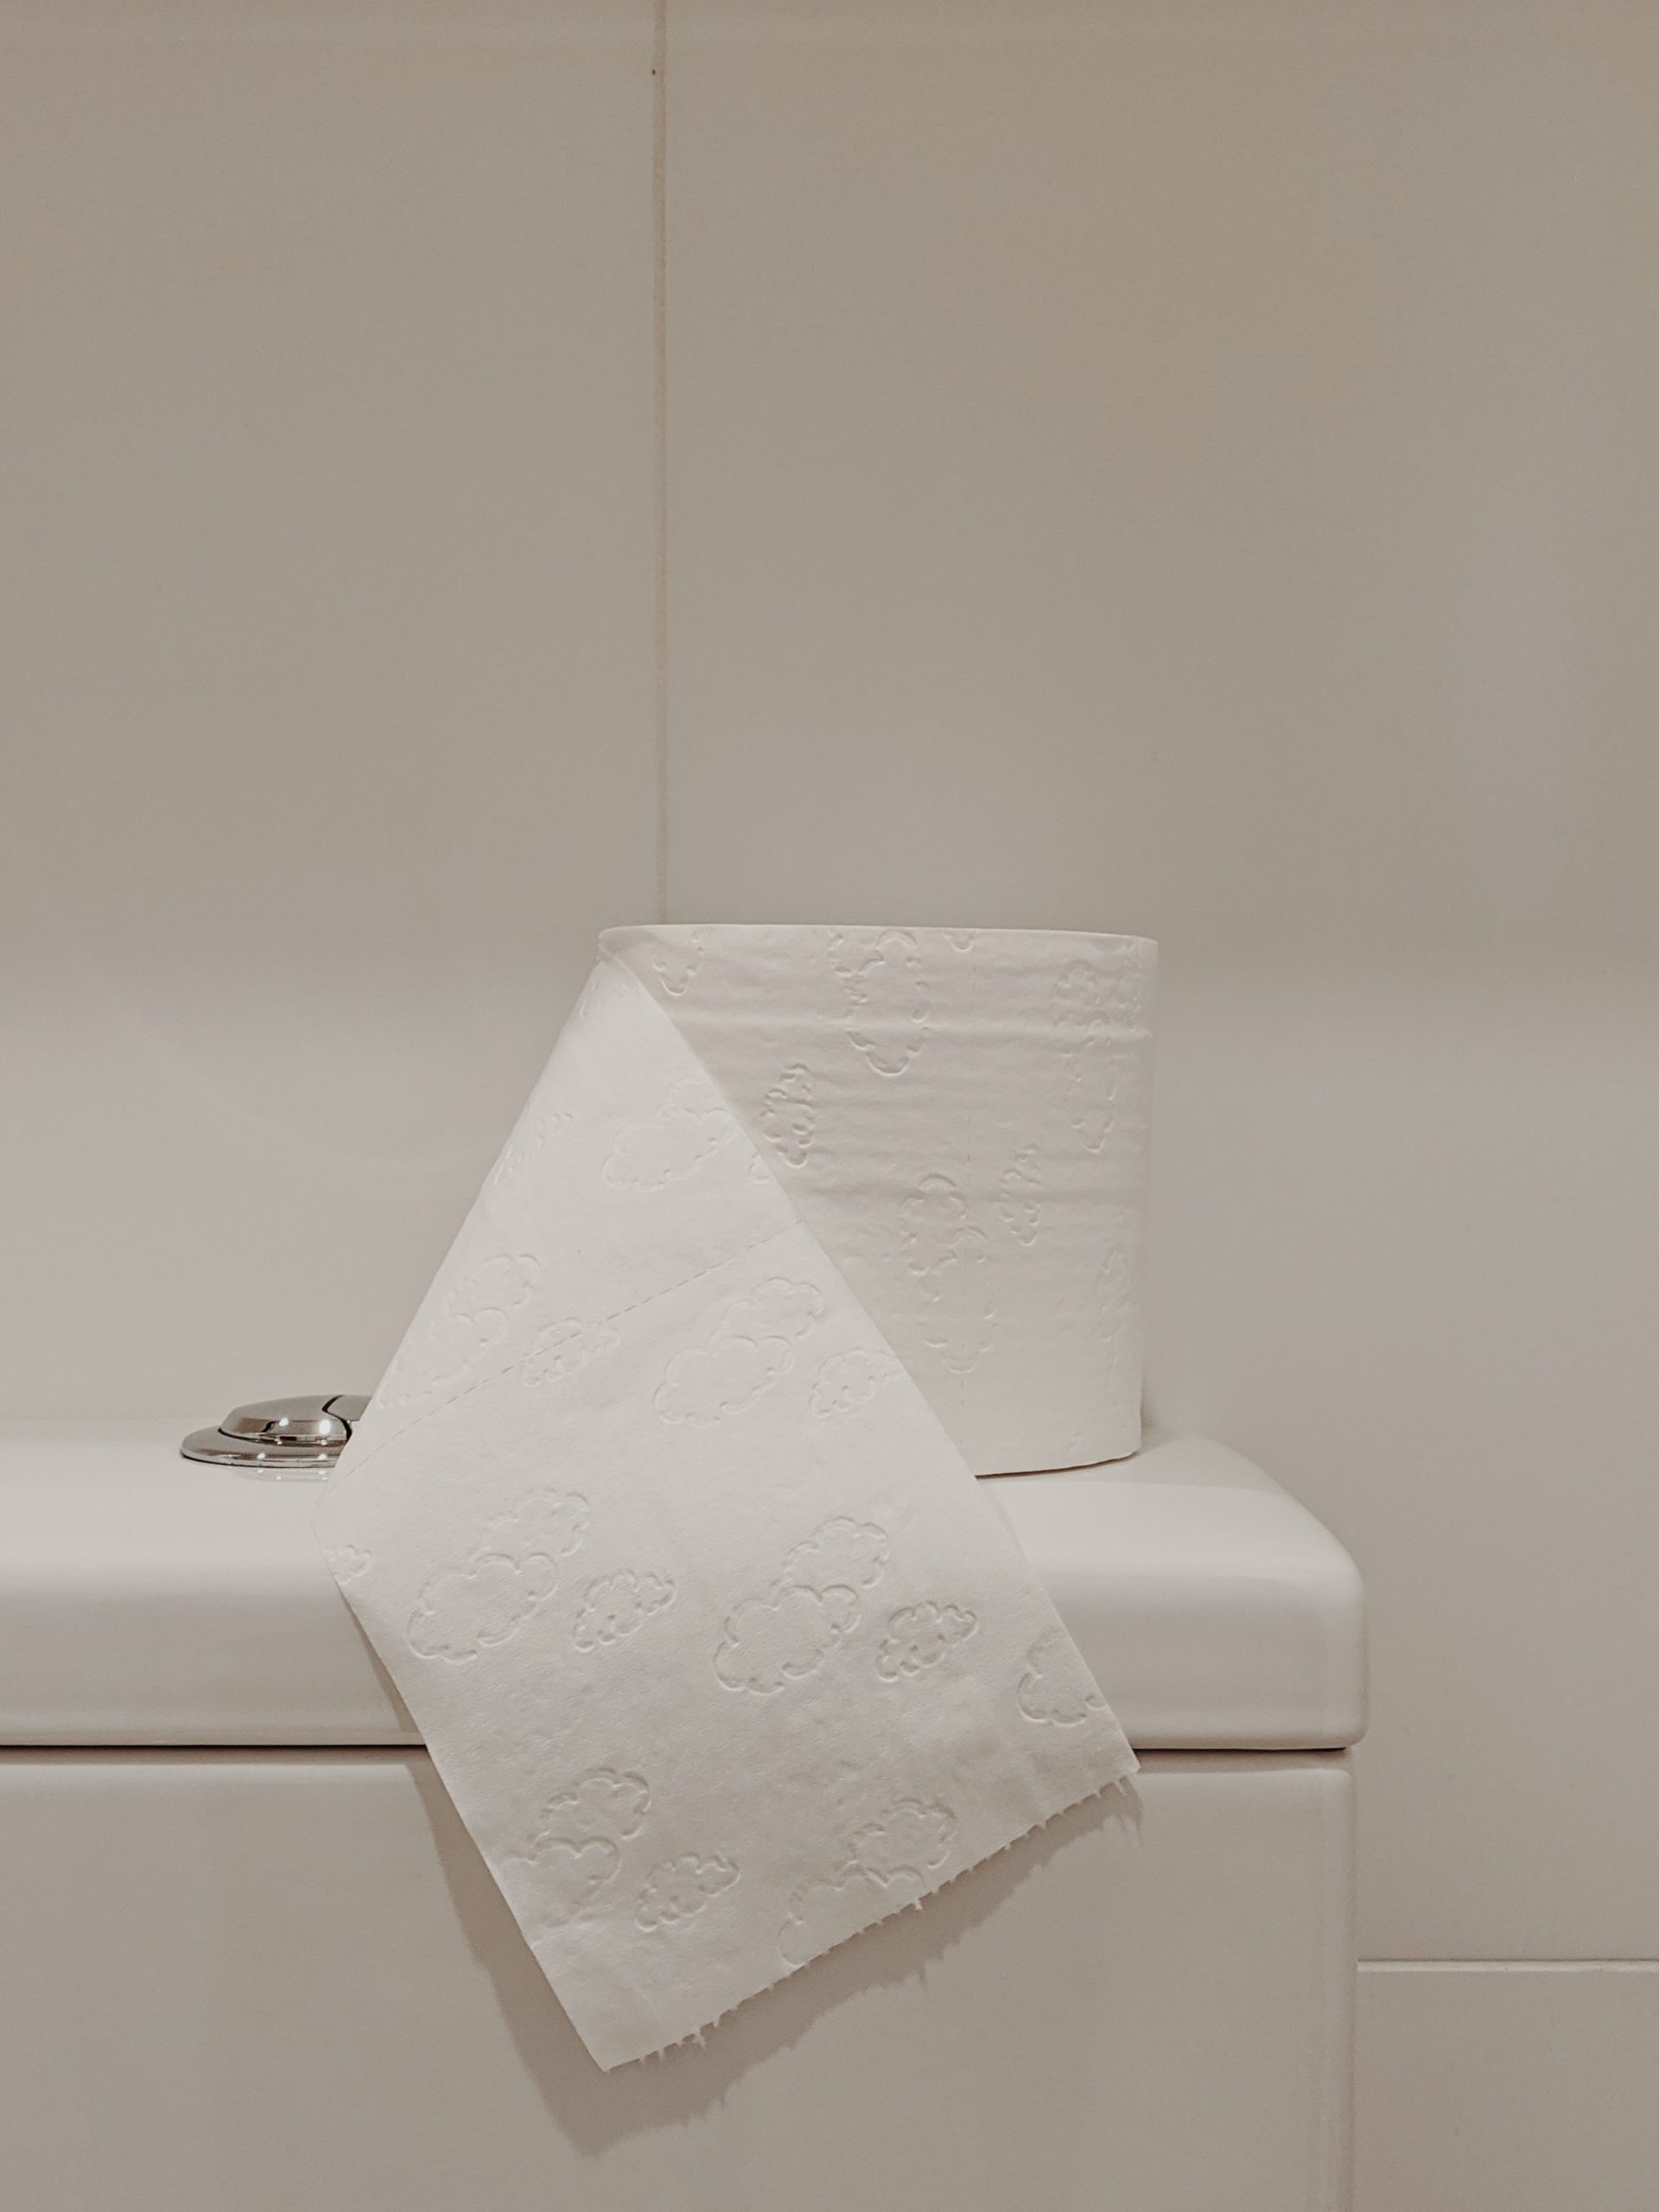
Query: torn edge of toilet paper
(717, 1647)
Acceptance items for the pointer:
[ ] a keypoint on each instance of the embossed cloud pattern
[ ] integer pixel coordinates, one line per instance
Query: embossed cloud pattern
(961, 1118)
(662, 1519)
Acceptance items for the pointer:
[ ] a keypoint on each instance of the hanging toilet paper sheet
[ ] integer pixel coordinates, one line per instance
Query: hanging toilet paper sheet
(662, 1519)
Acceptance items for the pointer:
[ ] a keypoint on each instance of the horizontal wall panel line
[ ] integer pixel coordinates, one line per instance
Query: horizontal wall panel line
(1509, 1966)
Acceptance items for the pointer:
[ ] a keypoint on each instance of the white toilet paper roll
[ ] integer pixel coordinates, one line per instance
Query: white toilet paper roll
(660, 1518)
(960, 1117)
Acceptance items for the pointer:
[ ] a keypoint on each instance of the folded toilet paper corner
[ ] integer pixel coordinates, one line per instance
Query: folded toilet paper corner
(663, 1518)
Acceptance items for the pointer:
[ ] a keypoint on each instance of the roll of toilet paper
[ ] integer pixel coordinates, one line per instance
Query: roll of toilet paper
(960, 1117)
(662, 1519)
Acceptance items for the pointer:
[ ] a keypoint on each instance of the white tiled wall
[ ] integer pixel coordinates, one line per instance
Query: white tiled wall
(1174, 467)
(1509, 2087)
(326, 579)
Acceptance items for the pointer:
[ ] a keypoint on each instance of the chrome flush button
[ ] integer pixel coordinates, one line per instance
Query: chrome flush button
(279, 1436)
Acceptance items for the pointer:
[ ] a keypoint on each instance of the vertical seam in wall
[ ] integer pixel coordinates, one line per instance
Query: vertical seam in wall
(660, 398)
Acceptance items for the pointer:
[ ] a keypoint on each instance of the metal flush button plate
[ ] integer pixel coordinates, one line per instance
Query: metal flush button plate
(280, 1437)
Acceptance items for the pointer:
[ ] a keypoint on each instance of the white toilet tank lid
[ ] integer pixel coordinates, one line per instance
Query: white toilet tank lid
(147, 1598)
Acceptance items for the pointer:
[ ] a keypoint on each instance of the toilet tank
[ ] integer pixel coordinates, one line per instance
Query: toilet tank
(255, 1962)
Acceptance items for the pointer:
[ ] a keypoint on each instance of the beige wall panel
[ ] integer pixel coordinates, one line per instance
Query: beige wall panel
(326, 572)
(1519, 2089)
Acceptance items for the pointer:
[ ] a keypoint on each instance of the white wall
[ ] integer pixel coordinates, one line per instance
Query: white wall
(1178, 467)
